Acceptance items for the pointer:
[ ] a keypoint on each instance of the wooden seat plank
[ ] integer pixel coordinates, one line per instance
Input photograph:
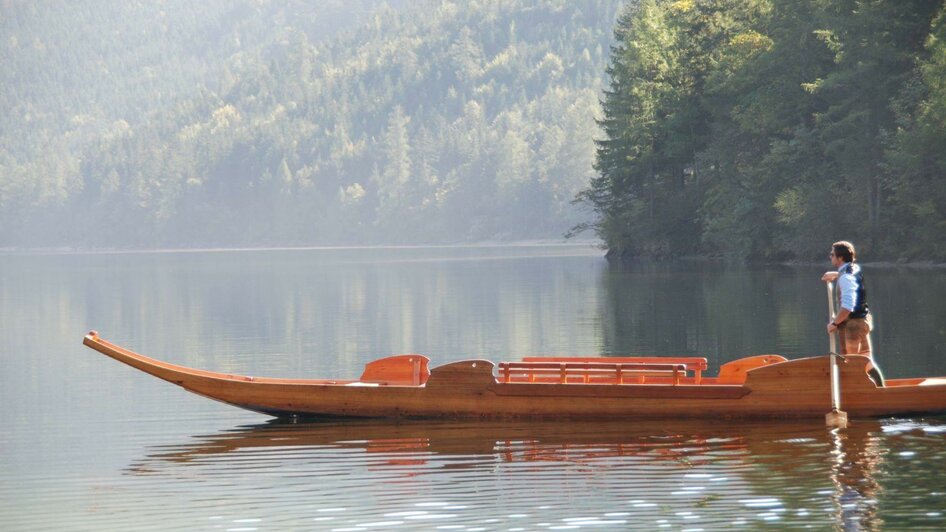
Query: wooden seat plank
(588, 372)
(695, 364)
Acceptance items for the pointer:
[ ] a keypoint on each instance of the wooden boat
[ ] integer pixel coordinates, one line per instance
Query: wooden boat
(402, 386)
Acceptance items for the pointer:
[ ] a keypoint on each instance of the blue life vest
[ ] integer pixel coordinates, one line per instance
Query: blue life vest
(860, 309)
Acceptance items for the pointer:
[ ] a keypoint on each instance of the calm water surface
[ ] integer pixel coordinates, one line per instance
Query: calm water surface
(90, 444)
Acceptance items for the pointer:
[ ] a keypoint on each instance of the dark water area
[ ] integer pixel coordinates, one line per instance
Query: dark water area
(91, 444)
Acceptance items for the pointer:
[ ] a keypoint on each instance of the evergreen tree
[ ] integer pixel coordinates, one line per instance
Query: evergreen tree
(916, 161)
(775, 124)
(396, 168)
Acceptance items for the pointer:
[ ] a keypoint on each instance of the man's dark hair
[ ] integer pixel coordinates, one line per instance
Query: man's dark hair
(844, 250)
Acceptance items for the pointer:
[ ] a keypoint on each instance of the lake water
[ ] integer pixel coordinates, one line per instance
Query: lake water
(90, 444)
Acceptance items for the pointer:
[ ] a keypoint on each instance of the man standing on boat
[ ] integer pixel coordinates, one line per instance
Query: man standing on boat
(853, 322)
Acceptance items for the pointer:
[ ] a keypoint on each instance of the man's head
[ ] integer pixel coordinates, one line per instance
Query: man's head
(842, 252)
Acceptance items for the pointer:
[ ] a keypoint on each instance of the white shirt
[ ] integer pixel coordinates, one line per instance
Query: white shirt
(847, 286)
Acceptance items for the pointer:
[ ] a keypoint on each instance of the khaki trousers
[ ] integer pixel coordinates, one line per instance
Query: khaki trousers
(854, 336)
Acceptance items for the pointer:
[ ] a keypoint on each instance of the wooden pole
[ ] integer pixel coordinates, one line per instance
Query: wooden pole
(836, 418)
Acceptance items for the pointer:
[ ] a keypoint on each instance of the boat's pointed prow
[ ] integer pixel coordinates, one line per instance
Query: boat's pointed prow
(163, 370)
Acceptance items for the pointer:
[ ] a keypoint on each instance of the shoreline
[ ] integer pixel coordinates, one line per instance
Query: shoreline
(594, 247)
(722, 259)
(586, 244)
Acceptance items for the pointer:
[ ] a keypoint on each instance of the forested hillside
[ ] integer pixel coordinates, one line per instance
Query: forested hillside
(767, 129)
(262, 122)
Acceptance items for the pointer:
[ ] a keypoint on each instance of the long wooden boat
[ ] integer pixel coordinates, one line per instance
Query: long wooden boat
(402, 386)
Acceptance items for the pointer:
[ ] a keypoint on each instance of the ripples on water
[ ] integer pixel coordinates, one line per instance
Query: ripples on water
(89, 444)
(349, 476)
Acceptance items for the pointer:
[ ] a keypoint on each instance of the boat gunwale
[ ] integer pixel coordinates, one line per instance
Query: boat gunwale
(459, 389)
(96, 342)
(121, 354)
(93, 340)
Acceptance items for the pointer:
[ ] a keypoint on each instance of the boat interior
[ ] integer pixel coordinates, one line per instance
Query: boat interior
(413, 370)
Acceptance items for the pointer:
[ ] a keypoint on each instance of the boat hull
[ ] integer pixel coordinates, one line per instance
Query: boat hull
(469, 390)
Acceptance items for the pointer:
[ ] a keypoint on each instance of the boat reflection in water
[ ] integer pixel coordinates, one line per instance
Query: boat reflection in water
(642, 473)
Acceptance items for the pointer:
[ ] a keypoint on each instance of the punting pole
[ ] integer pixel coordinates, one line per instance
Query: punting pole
(836, 418)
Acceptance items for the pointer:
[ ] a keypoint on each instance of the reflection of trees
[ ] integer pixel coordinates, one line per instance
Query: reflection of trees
(713, 310)
(680, 310)
(316, 313)
(724, 312)
(909, 337)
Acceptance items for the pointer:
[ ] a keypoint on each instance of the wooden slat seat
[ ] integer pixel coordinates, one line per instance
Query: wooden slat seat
(588, 372)
(695, 364)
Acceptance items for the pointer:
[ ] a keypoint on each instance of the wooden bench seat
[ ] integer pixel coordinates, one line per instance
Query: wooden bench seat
(697, 365)
(589, 372)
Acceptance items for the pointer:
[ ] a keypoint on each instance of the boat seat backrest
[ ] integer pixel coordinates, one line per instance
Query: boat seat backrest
(735, 372)
(398, 370)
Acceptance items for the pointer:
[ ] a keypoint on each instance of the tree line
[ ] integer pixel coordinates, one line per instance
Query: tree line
(766, 130)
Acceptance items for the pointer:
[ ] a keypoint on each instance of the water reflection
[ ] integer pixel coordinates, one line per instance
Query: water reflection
(723, 312)
(75, 420)
(858, 458)
(644, 474)
(508, 442)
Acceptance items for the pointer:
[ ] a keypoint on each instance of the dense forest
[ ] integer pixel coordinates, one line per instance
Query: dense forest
(765, 130)
(749, 128)
(266, 123)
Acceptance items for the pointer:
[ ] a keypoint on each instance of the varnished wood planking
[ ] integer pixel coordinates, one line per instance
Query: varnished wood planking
(469, 389)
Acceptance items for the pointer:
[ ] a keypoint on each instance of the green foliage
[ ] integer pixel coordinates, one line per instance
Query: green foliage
(917, 153)
(263, 122)
(765, 129)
